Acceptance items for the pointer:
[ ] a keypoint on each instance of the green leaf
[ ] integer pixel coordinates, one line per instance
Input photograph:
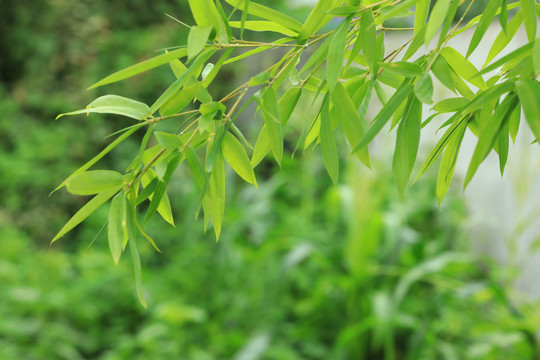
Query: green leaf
(114, 104)
(487, 17)
(236, 156)
(177, 85)
(168, 141)
(536, 56)
(208, 78)
(328, 143)
(529, 18)
(488, 136)
(513, 123)
(180, 100)
(448, 162)
(344, 10)
(86, 211)
(147, 191)
(529, 97)
(197, 38)
(261, 25)
(270, 14)
(420, 15)
(402, 68)
(502, 145)
(463, 67)
(396, 10)
(214, 147)
(350, 121)
(503, 19)
(267, 101)
(93, 182)
(385, 114)
(336, 53)
(98, 157)
(408, 138)
(317, 57)
(505, 59)
(504, 37)
(423, 89)
(141, 67)
(450, 104)
(476, 19)
(136, 259)
(162, 186)
(317, 19)
(245, 10)
(259, 79)
(205, 13)
(117, 226)
(436, 19)
(217, 195)
(417, 42)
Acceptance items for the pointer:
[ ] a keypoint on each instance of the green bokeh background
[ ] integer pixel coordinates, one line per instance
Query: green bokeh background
(303, 270)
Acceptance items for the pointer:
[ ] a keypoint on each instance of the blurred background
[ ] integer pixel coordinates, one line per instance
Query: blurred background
(303, 269)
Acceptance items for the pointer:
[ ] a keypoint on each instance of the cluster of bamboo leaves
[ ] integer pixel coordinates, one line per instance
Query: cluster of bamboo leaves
(343, 68)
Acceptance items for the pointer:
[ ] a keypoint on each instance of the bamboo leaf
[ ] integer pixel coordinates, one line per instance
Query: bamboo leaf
(267, 101)
(214, 148)
(450, 104)
(86, 211)
(420, 15)
(385, 114)
(217, 195)
(505, 59)
(504, 37)
(488, 136)
(205, 13)
(336, 53)
(408, 138)
(486, 19)
(463, 67)
(317, 19)
(529, 18)
(350, 121)
(536, 56)
(448, 162)
(141, 67)
(503, 18)
(423, 89)
(180, 100)
(98, 157)
(167, 140)
(162, 186)
(436, 19)
(93, 182)
(270, 14)
(243, 19)
(261, 25)
(114, 104)
(236, 157)
(197, 38)
(513, 123)
(135, 258)
(529, 97)
(328, 143)
(117, 226)
(402, 68)
(502, 145)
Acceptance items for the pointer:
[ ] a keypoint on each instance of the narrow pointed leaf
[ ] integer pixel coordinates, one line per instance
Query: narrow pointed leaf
(267, 13)
(114, 104)
(205, 13)
(141, 67)
(503, 18)
(525, 49)
(448, 162)
(136, 259)
(236, 157)
(93, 182)
(402, 68)
(90, 207)
(487, 17)
(436, 19)
(450, 104)
(408, 138)
(261, 25)
(180, 100)
(420, 15)
(168, 141)
(336, 53)
(529, 18)
(529, 97)
(328, 142)
(317, 19)
(267, 102)
(197, 38)
(463, 67)
(423, 89)
(117, 226)
(536, 56)
(217, 195)
(350, 121)
(385, 114)
(504, 37)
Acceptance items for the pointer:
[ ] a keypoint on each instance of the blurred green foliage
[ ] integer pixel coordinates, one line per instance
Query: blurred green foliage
(304, 270)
